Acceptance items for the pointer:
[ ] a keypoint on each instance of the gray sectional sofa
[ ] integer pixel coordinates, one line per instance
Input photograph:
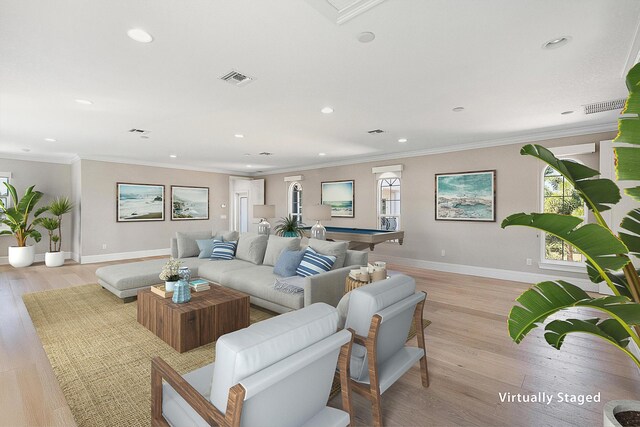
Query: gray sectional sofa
(250, 272)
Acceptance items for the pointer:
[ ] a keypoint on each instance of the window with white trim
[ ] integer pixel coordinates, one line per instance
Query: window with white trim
(559, 196)
(4, 194)
(389, 203)
(295, 201)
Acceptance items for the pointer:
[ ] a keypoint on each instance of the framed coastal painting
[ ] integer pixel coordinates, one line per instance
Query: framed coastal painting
(139, 202)
(466, 196)
(340, 196)
(189, 203)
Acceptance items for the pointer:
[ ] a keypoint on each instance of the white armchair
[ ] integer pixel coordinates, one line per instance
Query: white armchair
(381, 314)
(277, 372)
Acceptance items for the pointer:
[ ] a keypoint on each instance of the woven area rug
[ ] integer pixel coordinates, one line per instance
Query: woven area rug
(101, 355)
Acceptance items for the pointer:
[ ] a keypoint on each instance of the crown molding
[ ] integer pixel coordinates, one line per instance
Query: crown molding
(109, 159)
(42, 158)
(531, 137)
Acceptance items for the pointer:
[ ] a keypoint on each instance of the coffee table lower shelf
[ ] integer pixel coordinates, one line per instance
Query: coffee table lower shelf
(209, 315)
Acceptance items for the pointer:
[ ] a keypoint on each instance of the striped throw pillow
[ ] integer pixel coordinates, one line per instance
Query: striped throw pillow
(314, 263)
(223, 250)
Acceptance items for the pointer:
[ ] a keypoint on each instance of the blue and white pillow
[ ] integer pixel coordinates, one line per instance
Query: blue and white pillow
(314, 263)
(223, 250)
(206, 247)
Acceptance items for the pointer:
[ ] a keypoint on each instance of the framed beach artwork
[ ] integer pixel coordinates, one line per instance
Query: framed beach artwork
(340, 196)
(466, 196)
(189, 203)
(139, 202)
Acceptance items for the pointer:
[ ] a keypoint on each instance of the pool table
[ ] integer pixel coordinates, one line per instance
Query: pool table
(360, 238)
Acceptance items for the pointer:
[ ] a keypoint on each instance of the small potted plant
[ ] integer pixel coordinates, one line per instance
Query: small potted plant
(289, 227)
(59, 207)
(169, 274)
(16, 218)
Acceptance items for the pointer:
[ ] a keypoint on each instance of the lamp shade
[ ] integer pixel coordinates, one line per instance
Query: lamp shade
(264, 211)
(318, 212)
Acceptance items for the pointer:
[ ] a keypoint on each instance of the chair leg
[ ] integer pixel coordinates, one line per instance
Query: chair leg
(376, 407)
(424, 371)
(417, 318)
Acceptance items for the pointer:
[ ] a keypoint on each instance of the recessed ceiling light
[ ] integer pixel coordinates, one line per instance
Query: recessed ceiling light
(139, 35)
(239, 135)
(564, 113)
(322, 154)
(402, 140)
(26, 150)
(84, 102)
(557, 42)
(50, 140)
(173, 156)
(249, 166)
(366, 37)
(327, 110)
(458, 109)
(247, 154)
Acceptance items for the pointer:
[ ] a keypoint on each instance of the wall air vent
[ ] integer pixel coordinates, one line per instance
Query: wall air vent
(266, 153)
(599, 107)
(237, 79)
(375, 131)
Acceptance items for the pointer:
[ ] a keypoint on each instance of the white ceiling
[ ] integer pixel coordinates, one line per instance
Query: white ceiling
(428, 57)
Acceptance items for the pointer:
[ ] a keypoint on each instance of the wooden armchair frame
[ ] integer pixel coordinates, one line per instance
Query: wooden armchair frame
(372, 390)
(160, 370)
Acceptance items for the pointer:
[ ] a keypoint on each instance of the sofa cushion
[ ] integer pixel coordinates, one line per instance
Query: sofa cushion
(276, 245)
(213, 270)
(251, 247)
(223, 250)
(288, 263)
(259, 281)
(186, 241)
(176, 410)
(206, 247)
(226, 236)
(249, 350)
(314, 263)
(336, 249)
(142, 274)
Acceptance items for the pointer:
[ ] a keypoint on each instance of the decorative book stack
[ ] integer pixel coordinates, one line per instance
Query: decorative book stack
(199, 285)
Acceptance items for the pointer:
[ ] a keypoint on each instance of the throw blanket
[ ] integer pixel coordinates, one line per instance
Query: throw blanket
(289, 285)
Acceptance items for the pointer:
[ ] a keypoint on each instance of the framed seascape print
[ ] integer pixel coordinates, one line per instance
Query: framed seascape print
(466, 196)
(139, 202)
(340, 195)
(189, 203)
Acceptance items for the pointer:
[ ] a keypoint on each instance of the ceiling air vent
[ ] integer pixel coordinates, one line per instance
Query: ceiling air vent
(600, 107)
(138, 131)
(375, 131)
(266, 153)
(236, 78)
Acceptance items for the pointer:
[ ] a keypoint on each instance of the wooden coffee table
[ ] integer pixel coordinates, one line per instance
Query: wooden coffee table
(209, 315)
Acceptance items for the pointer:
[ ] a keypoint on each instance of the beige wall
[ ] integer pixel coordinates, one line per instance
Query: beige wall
(53, 180)
(98, 195)
(467, 243)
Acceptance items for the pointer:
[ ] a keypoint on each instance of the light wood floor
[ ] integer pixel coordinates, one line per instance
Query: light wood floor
(471, 360)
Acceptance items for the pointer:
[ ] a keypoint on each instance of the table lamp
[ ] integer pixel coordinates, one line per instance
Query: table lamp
(318, 213)
(263, 212)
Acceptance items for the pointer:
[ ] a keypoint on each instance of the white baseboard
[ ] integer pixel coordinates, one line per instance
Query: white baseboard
(90, 259)
(495, 273)
(39, 258)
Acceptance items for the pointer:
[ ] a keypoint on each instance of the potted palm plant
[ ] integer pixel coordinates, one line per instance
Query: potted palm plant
(17, 219)
(288, 227)
(608, 256)
(59, 207)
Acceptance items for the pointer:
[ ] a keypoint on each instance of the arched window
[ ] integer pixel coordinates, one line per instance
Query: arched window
(295, 201)
(560, 197)
(389, 203)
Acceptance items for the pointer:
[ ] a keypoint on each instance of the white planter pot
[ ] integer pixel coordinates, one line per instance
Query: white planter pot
(54, 259)
(615, 406)
(168, 286)
(21, 256)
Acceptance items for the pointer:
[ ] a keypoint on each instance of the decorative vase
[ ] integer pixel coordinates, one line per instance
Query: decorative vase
(170, 285)
(181, 291)
(613, 407)
(54, 259)
(21, 256)
(290, 234)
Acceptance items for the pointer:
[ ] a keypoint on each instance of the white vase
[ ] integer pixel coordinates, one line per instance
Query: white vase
(168, 286)
(54, 259)
(21, 256)
(613, 407)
